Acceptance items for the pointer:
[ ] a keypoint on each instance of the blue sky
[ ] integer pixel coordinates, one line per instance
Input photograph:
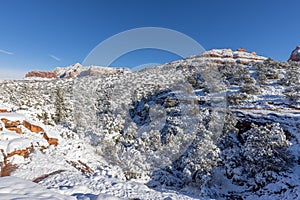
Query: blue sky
(45, 34)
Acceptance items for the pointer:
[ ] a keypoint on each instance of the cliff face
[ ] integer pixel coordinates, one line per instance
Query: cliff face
(295, 55)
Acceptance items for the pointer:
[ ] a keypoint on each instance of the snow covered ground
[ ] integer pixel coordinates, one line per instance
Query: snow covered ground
(72, 170)
(102, 137)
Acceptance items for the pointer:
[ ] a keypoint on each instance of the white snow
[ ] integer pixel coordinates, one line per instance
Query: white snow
(16, 188)
(58, 179)
(12, 116)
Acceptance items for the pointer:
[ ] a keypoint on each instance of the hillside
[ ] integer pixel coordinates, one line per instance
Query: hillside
(220, 125)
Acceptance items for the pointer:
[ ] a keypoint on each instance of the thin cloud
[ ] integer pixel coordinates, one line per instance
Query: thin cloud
(6, 52)
(55, 58)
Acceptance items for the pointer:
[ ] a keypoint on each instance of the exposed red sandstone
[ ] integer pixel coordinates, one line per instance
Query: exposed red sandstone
(41, 74)
(12, 125)
(32, 128)
(51, 141)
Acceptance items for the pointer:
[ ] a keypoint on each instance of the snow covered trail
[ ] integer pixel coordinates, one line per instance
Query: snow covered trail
(12, 188)
(16, 188)
(82, 186)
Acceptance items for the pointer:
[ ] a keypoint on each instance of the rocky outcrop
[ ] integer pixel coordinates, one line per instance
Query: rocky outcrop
(51, 141)
(295, 55)
(12, 125)
(216, 57)
(23, 152)
(6, 166)
(41, 74)
(70, 71)
(95, 71)
(76, 70)
(15, 126)
(32, 128)
(37, 129)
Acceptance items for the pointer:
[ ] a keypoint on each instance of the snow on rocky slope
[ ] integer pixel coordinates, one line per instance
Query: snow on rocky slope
(74, 71)
(221, 125)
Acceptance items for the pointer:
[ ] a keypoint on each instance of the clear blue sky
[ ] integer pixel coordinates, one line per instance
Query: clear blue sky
(45, 34)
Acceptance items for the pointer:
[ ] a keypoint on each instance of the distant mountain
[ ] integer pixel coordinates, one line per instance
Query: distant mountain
(76, 70)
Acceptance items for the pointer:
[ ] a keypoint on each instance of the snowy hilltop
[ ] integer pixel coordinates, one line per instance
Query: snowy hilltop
(220, 125)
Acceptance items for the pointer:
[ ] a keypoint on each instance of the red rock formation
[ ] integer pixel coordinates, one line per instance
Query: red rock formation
(295, 55)
(12, 125)
(51, 141)
(16, 129)
(41, 74)
(6, 167)
(32, 128)
(74, 71)
(25, 152)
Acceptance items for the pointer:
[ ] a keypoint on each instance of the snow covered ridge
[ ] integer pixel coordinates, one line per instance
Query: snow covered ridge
(214, 57)
(76, 70)
(156, 134)
(228, 56)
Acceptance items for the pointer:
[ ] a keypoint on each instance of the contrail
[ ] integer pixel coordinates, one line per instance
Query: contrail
(6, 52)
(55, 57)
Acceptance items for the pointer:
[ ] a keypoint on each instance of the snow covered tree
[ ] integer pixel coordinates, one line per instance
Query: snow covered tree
(256, 156)
(293, 94)
(235, 74)
(59, 105)
(292, 76)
